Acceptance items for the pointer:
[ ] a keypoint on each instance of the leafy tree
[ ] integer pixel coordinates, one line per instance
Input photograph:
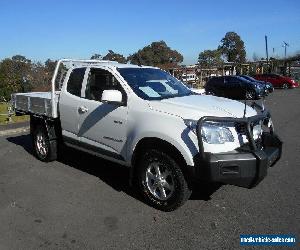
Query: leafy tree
(96, 57)
(112, 56)
(40, 76)
(157, 54)
(20, 58)
(233, 48)
(15, 75)
(210, 58)
(50, 65)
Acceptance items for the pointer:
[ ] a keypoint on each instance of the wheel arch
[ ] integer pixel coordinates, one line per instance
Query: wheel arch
(52, 126)
(159, 144)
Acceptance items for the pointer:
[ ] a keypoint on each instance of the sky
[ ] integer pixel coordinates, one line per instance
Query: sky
(42, 29)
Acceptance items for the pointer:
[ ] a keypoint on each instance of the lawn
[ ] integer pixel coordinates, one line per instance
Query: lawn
(4, 117)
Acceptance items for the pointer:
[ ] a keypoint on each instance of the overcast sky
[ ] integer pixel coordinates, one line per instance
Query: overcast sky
(41, 29)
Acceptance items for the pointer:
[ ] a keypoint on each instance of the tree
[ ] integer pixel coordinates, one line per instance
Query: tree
(210, 58)
(15, 75)
(96, 57)
(157, 54)
(50, 65)
(20, 58)
(41, 74)
(112, 56)
(233, 48)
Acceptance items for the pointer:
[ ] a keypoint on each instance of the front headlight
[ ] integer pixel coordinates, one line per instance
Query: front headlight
(257, 131)
(214, 133)
(270, 125)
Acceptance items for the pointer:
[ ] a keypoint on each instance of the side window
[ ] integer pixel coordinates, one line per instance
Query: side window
(98, 81)
(234, 80)
(213, 81)
(220, 80)
(75, 81)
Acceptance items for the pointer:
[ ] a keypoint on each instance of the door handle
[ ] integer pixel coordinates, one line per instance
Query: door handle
(82, 109)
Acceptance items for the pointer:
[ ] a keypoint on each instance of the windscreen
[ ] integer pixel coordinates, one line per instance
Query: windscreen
(249, 78)
(153, 84)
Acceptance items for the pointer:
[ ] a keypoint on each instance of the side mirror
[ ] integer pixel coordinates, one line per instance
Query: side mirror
(112, 96)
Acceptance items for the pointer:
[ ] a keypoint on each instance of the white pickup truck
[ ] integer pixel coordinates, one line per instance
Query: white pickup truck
(145, 119)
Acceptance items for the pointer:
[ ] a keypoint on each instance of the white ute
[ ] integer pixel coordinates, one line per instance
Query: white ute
(145, 119)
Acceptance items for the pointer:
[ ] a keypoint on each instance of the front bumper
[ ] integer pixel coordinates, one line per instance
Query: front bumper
(243, 167)
(246, 166)
(261, 92)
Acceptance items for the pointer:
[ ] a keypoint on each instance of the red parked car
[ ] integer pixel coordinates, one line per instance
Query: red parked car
(278, 81)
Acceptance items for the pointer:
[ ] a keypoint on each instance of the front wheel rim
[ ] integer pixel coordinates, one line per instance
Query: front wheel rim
(249, 95)
(160, 181)
(41, 144)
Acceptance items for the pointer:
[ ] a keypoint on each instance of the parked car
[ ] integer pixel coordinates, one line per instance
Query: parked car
(268, 86)
(198, 91)
(146, 120)
(189, 78)
(195, 90)
(234, 87)
(278, 81)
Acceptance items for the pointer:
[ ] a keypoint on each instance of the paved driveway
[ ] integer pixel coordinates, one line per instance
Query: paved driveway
(82, 202)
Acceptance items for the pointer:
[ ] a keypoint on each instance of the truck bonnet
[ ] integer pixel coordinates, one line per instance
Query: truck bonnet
(197, 106)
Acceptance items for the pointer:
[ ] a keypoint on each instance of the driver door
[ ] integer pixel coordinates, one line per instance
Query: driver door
(103, 126)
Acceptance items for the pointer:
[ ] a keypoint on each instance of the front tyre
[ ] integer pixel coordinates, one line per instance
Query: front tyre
(161, 181)
(44, 149)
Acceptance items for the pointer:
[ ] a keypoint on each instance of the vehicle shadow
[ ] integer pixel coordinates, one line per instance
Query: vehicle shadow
(112, 174)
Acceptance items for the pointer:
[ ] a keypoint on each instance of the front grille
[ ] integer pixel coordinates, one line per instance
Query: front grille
(241, 129)
(259, 143)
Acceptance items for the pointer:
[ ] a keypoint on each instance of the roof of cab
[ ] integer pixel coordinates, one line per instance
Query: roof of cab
(97, 63)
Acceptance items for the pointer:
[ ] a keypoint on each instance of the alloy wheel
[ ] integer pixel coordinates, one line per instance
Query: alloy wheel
(41, 144)
(285, 86)
(159, 181)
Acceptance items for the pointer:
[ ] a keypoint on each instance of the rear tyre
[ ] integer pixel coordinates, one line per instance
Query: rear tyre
(161, 181)
(44, 149)
(285, 86)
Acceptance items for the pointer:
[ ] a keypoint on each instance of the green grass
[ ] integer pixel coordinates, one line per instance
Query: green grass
(4, 118)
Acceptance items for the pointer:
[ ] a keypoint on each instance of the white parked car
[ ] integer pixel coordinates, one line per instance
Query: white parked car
(198, 91)
(189, 77)
(147, 120)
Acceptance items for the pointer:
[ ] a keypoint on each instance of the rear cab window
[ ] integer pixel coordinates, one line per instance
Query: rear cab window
(75, 81)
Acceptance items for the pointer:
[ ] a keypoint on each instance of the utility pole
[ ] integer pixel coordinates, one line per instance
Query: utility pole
(285, 44)
(267, 52)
